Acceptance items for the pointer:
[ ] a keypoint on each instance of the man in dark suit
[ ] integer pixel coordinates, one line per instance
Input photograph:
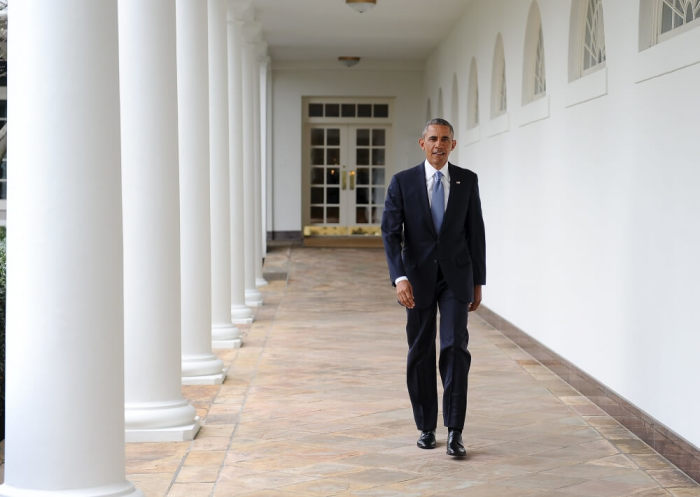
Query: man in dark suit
(434, 240)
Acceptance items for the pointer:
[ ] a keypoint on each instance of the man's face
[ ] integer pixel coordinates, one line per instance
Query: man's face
(437, 144)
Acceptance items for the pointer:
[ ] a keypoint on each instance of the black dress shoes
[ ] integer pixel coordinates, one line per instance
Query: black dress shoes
(426, 440)
(454, 444)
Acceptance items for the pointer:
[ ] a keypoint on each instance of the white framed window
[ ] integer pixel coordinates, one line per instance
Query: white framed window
(677, 14)
(499, 90)
(534, 73)
(594, 36)
(473, 96)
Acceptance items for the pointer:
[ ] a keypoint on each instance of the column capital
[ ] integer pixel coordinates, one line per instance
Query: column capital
(252, 32)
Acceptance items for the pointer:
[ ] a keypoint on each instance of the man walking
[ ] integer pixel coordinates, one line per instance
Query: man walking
(434, 240)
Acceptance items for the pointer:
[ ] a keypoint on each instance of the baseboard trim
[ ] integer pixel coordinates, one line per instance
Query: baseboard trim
(659, 437)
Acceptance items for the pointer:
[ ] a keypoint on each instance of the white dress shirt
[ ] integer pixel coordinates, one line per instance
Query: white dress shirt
(429, 183)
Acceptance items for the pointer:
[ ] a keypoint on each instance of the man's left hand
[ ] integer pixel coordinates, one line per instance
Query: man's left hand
(477, 299)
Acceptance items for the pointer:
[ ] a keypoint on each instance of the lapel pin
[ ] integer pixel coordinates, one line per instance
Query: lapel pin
(458, 182)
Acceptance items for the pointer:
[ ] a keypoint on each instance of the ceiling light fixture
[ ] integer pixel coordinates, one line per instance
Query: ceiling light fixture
(348, 61)
(361, 5)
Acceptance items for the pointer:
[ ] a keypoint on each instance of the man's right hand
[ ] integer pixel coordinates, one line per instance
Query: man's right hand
(404, 293)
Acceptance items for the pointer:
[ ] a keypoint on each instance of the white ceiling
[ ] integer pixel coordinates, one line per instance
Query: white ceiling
(322, 30)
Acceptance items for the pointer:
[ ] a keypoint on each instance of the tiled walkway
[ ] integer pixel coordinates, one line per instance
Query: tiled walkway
(315, 405)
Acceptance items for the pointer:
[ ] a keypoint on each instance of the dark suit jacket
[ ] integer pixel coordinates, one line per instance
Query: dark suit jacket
(415, 250)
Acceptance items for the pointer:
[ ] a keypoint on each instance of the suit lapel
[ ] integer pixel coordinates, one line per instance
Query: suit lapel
(424, 206)
(455, 183)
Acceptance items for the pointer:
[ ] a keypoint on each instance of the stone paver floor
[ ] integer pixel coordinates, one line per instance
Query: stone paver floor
(315, 404)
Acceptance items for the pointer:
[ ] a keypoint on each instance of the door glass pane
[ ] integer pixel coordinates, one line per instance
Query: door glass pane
(316, 175)
(348, 110)
(378, 137)
(317, 215)
(332, 110)
(332, 215)
(362, 195)
(364, 110)
(363, 176)
(332, 156)
(378, 176)
(362, 215)
(332, 176)
(333, 136)
(317, 195)
(377, 156)
(377, 195)
(377, 215)
(317, 156)
(333, 195)
(362, 157)
(315, 110)
(381, 110)
(317, 137)
(363, 137)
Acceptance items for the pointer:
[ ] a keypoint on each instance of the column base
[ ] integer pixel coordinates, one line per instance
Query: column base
(125, 489)
(174, 421)
(225, 337)
(241, 314)
(204, 369)
(260, 282)
(253, 297)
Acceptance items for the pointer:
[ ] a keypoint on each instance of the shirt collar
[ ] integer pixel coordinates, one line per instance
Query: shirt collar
(430, 171)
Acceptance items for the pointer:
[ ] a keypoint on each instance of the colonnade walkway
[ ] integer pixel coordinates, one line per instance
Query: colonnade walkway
(315, 404)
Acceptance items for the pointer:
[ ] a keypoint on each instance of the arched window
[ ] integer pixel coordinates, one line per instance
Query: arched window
(428, 112)
(534, 75)
(586, 38)
(454, 103)
(440, 106)
(499, 91)
(676, 13)
(473, 97)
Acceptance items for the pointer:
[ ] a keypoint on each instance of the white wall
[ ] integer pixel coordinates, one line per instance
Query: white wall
(292, 82)
(592, 212)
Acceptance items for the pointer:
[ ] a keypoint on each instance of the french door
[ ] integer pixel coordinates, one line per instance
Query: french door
(346, 176)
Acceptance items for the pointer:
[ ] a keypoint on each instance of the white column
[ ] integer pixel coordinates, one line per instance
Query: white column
(65, 341)
(155, 408)
(199, 365)
(266, 113)
(240, 312)
(252, 294)
(224, 333)
(260, 54)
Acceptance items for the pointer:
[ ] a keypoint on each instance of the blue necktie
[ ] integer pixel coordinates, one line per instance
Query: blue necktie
(437, 207)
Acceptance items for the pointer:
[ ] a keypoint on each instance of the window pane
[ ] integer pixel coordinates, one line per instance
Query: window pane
(333, 195)
(362, 215)
(378, 137)
(315, 110)
(317, 157)
(332, 176)
(3, 190)
(363, 137)
(348, 110)
(378, 195)
(381, 110)
(317, 195)
(363, 176)
(332, 156)
(362, 195)
(377, 156)
(364, 110)
(333, 215)
(378, 176)
(317, 136)
(332, 110)
(3, 168)
(377, 214)
(362, 157)
(316, 175)
(317, 215)
(333, 136)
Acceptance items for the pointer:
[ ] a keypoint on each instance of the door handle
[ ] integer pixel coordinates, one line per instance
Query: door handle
(344, 180)
(352, 180)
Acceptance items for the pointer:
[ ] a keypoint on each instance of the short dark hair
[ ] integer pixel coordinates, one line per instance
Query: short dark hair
(438, 121)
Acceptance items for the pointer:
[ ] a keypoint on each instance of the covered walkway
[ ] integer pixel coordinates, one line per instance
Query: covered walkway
(315, 405)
